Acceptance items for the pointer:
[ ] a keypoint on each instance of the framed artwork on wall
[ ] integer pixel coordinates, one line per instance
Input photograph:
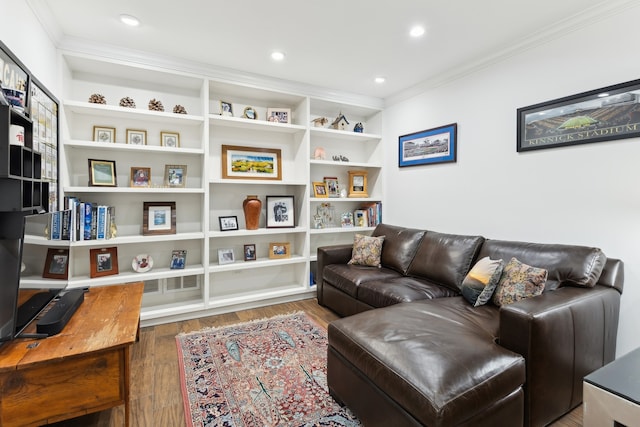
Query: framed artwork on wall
(436, 145)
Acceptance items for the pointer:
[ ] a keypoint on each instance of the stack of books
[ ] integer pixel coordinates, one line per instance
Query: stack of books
(82, 221)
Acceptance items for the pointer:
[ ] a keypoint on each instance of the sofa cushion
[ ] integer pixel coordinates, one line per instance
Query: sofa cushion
(480, 283)
(347, 277)
(445, 258)
(382, 293)
(399, 246)
(366, 250)
(519, 281)
(566, 264)
(437, 359)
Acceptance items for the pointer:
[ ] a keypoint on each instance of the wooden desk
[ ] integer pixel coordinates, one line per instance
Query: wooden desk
(83, 369)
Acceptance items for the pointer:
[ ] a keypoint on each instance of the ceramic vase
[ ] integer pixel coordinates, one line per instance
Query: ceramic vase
(252, 207)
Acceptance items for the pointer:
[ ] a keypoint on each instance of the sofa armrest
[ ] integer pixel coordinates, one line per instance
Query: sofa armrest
(563, 335)
(336, 254)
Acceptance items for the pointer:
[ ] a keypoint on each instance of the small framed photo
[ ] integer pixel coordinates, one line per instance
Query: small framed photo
(250, 113)
(104, 134)
(178, 259)
(279, 115)
(279, 250)
(320, 189)
(228, 223)
(358, 184)
(104, 262)
(169, 139)
(281, 212)
(102, 173)
(175, 175)
(226, 109)
(346, 220)
(332, 186)
(226, 256)
(57, 264)
(136, 137)
(140, 177)
(437, 145)
(159, 218)
(250, 252)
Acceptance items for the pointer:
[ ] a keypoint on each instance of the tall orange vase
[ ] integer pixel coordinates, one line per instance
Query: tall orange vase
(252, 207)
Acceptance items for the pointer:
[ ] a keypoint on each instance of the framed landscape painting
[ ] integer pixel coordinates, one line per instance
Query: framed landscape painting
(437, 145)
(251, 163)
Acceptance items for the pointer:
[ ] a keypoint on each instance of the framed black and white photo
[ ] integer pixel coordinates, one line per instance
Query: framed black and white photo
(104, 134)
(226, 256)
(437, 145)
(103, 262)
(250, 252)
(57, 264)
(159, 218)
(170, 139)
(136, 137)
(281, 212)
(228, 223)
(226, 109)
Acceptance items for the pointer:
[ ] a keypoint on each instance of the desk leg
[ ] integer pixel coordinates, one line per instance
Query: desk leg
(127, 383)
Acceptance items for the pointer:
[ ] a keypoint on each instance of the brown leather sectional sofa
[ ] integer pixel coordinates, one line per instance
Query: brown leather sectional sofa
(410, 351)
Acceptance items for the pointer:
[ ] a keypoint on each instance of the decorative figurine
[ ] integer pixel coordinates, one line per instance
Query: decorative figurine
(319, 154)
(156, 105)
(97, 98)
(340, 122)
(320, 122)
(358, 128)
(127, 102)
(179, 109)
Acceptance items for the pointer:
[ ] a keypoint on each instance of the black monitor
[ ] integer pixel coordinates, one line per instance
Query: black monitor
(11, 240)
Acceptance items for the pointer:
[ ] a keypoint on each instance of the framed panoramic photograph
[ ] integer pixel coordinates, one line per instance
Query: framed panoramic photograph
(226, 109)
(140, 177)
(170, 139)
(332, 186)
(279, 250)
(320, 189)
(251, 163)
(57, 264)
(175, 175)
(358, 184)
(228, 223)
(598, 115)
(279, 115)
(102, 173)
(103, 262)
(136, 137)
(437, 145)
(178, 259)
(104, 134)
(250, 252)
(226, 256)
(281, 212)
(159, 218)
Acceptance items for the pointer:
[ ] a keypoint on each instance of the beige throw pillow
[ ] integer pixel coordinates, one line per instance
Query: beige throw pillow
(366, 250)
(519, 281)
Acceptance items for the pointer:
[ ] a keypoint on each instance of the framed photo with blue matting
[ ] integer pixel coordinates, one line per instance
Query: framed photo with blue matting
(437, 145)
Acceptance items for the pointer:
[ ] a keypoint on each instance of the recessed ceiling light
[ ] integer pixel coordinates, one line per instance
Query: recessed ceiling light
(417, 31)
(602, 95)
(277, 56)
(380, 80)
(130, 20)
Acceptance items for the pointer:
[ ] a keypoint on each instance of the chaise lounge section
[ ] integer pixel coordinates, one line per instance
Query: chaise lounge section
(411, 350)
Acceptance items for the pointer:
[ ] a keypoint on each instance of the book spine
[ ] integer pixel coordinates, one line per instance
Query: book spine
(65, 224)
(55, 225)
(94, 222)
(101, 225)
(87, 221)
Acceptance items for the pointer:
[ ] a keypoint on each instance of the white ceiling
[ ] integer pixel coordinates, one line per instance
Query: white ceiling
(336, 44)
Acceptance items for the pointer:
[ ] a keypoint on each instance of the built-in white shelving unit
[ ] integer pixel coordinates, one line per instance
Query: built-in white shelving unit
(205, 285)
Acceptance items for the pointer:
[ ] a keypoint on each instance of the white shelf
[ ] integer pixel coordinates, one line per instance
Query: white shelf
(258, 232)
(124, 240)
(344, 135)
(332, 230)
(254, 182)
(140, 190)
(259, 125)
(260, 262)
(117, 112)
(344, 199)
(350, 165)
(159, 273)
(118, 146)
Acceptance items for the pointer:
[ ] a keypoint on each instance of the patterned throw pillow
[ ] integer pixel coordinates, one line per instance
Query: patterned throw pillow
(366, 250)
(519, 281)
(481, 281)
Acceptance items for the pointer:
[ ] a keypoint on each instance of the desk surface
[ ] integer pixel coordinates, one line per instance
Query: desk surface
(93, 327)
(620, 377)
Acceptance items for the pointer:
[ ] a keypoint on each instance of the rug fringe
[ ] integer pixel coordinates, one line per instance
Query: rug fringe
(233, 325)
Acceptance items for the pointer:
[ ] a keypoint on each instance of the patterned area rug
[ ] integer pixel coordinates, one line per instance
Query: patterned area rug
(269, 372)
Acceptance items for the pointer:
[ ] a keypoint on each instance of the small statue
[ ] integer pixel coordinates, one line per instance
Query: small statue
(319, 154)
(358, 128)
(320, 122)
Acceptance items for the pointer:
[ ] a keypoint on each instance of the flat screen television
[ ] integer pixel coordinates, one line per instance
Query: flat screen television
(11, 240)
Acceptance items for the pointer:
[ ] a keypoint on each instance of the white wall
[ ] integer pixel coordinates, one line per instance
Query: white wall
(22, 33)
(587, 194)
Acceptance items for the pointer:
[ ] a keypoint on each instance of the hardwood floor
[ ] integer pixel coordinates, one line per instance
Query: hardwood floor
(156, 399)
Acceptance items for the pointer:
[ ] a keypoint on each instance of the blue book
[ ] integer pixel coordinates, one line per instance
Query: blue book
(101, 225)
(87, 220)
(56, 231)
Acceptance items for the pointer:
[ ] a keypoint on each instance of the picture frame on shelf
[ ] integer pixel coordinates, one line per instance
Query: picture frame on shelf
(158, 218)
(136, 137)
(228, 223)
(140, 177)
(430, 146)
(333, 189)
(226, 256)
(226, 108)
(175, 176)
(320, 189)
(102, 173)
(358, 183)
(281, 211)
(360, 218)
(250, 113)
(580, 118)
(346, 220)
(142, 263)
(279, 250)
(104, 134)
(251, 163)
(178, 259)
(56, 265)
(169, 139)
(103, 262)
(279, 115)
(250, 252)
